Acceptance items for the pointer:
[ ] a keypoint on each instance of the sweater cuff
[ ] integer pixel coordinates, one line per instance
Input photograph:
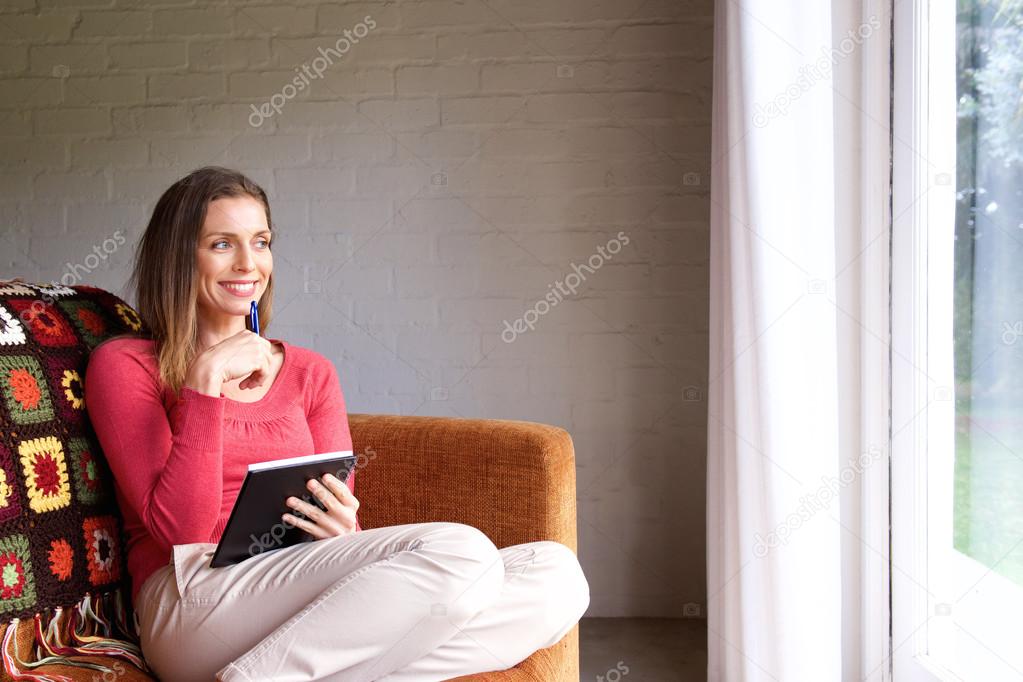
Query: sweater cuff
(197, 419)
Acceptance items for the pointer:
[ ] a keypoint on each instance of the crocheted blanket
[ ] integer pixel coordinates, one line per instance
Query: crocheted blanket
(61, 546)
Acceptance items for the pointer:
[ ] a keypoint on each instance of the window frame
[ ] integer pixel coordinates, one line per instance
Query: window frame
(923, 175)
(924, 569)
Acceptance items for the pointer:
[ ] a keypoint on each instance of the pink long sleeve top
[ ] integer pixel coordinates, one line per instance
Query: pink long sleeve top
(179, 460)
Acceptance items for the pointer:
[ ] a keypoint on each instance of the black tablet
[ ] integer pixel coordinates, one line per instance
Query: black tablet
(255, 525)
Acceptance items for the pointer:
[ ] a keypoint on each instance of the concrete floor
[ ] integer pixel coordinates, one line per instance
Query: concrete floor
(615, 649)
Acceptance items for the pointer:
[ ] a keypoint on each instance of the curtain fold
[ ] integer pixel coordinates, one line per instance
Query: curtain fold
(797, 416)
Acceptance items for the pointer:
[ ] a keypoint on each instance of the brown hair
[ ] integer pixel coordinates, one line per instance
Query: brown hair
(164, 272)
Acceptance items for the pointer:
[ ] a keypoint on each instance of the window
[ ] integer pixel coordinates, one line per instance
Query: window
(988, 289)
(957, 341)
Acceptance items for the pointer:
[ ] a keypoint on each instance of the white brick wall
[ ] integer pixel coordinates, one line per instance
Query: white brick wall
(432, 184)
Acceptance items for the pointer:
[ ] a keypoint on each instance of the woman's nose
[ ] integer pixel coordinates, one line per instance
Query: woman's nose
(243, 259)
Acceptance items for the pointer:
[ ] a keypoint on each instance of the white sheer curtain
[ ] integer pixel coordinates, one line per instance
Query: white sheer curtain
(797, 427)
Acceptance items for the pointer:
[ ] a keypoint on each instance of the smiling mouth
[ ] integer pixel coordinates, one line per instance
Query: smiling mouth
(240, 289)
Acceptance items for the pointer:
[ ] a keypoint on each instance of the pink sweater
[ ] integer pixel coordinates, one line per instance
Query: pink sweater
(179, 461)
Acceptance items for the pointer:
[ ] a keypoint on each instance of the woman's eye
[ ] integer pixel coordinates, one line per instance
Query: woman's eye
(265, 243)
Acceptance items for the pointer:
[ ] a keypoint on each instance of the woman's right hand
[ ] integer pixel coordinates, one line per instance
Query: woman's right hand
(246, 355)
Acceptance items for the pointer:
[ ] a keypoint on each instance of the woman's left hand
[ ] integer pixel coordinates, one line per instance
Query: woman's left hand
(338, 519)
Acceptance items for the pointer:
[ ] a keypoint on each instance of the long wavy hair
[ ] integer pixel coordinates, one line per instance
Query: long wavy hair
(164, 275)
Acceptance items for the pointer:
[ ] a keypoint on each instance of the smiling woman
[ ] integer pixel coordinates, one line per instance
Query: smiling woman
(201, 228)
(233, 266)
(182, 414)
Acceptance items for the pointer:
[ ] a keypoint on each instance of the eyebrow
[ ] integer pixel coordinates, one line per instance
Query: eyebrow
(233, 234)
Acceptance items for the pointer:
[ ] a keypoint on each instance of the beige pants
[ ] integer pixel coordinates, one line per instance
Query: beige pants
(425, 601)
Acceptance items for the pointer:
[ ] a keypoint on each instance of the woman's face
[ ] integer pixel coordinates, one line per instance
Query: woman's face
(233, 257)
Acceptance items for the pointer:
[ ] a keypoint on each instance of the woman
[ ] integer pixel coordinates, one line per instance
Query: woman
(180, 416)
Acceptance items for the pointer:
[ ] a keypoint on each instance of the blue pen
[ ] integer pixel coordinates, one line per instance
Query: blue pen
(253, 318)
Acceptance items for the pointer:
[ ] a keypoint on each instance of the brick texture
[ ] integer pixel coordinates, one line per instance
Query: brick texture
(436, 169)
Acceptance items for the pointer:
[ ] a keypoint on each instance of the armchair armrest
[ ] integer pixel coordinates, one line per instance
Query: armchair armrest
(514, 480)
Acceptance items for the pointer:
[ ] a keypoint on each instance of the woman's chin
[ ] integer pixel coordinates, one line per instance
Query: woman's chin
(222, 309)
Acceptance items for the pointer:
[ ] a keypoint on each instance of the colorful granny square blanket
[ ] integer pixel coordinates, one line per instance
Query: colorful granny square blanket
(62, 561)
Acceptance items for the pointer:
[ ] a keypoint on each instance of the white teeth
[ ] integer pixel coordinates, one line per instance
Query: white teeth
(240, 287)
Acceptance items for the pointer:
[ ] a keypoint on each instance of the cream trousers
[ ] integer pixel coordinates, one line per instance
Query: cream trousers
(423, 601)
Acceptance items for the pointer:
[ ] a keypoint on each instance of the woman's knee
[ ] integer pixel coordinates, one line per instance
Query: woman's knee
(461, 540)
(471, 566)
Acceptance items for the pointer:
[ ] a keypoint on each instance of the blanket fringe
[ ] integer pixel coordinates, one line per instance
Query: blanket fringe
(98, 625)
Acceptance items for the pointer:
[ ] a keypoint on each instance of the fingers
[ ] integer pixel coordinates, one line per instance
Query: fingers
(254, 380)
(341, 491)
(233, 356)
(259, 375)
(326, 497)
(311, 519)
(334, 495)
(305, 525)
(340, 504)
